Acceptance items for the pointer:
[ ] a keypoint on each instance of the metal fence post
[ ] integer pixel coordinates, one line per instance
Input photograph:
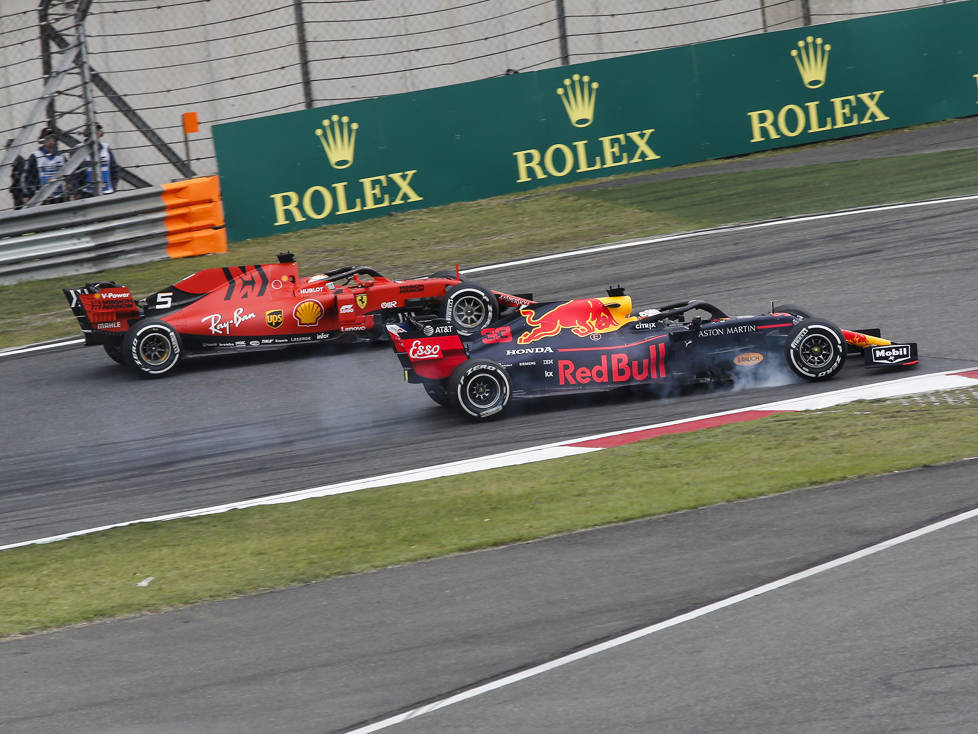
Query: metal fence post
(562, 33)
(300, 33)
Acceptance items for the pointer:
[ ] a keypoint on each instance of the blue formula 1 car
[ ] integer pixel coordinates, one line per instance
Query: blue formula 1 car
(589, 344)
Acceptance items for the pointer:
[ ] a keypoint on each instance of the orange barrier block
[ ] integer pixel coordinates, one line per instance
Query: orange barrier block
(194, 217)
(197, 242)
(191, 191)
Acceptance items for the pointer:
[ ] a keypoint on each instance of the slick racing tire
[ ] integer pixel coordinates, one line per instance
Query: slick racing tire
(792, 309)
(479, 389)
(816, 349)
(437, 392)
(469, 307)
(114, 350)
(152, 347)
(450, 274)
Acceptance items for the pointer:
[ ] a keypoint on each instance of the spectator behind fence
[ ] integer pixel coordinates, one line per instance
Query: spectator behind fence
(16, 178)
(108, 169)
(43, 165)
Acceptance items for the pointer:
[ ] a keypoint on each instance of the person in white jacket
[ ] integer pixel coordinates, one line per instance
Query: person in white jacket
(108, 169)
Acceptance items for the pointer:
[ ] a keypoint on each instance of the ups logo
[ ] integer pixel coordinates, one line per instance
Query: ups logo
(275, 318)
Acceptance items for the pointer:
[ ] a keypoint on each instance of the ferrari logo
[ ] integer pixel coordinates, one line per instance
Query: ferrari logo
(362, 301)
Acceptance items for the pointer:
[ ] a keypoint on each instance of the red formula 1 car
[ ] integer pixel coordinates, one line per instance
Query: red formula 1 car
(589, 344)
(268, 306)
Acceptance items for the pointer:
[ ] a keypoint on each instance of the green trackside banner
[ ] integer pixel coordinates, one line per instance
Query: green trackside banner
(665, 108)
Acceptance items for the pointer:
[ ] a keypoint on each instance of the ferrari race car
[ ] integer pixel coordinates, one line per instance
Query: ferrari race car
(592, 344)
(268, 306)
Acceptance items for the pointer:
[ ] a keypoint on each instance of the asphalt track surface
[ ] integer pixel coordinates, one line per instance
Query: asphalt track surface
(85, 444)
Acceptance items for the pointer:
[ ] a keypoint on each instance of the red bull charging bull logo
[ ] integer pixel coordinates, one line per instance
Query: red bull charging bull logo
(583, 317)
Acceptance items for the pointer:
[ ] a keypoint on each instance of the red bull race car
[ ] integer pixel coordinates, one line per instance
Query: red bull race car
(592, 344)
(269, 306)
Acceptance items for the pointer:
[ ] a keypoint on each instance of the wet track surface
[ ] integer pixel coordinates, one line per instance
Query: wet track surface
(86, 443)
(885, 647)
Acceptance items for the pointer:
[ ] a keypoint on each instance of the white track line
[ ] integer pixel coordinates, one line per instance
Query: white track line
(720, 230)
(633, 243)
(39, 347)
(652, 629)
(892, 388)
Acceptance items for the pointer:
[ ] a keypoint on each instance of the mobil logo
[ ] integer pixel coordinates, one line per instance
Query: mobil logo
(618, 367)
(583, 317)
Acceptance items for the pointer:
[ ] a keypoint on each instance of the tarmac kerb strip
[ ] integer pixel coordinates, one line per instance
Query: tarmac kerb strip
(893, 388)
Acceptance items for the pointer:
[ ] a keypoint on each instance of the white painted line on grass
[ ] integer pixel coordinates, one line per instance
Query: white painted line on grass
(40, 347)
(905, 386)
(464, 466)
(652, 629)
(718, 230)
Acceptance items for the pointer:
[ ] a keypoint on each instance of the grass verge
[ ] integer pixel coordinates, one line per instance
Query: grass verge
(548, 220)
(245, 551)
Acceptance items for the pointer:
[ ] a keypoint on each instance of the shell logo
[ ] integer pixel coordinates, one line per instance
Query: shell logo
(308, 312)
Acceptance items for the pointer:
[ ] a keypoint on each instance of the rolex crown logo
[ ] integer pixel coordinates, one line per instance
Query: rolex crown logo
(338, 136)
(812, 58)
(578, 98)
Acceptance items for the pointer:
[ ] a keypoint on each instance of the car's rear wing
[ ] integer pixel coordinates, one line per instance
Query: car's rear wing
(880, 352)
(102, 307)
(428, 348)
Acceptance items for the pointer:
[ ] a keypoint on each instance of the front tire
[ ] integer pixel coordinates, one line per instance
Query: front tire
(152, 347)
(479, 389)
(469, 307)
(816, 350)
(792, 309)
(448, 275)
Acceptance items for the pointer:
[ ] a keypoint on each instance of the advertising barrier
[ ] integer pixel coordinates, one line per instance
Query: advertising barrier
(665, 108)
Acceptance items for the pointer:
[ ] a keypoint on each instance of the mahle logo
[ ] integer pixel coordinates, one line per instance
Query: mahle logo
(812, 60)
(578, 96)
(811, 57)
(578, 99)
(338, 139)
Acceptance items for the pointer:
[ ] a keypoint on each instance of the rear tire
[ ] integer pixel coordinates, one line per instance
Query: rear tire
(114, 350)
(436, 391)
(152, 347)
(469, 307)
(479, 389)
(815, 349)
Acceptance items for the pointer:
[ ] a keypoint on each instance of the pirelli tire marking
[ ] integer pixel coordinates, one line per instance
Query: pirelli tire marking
(153, 348)
(480, 389)
(816, 349)
(469, 307)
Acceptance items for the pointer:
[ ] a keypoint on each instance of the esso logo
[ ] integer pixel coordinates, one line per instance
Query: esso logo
(420, 350)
